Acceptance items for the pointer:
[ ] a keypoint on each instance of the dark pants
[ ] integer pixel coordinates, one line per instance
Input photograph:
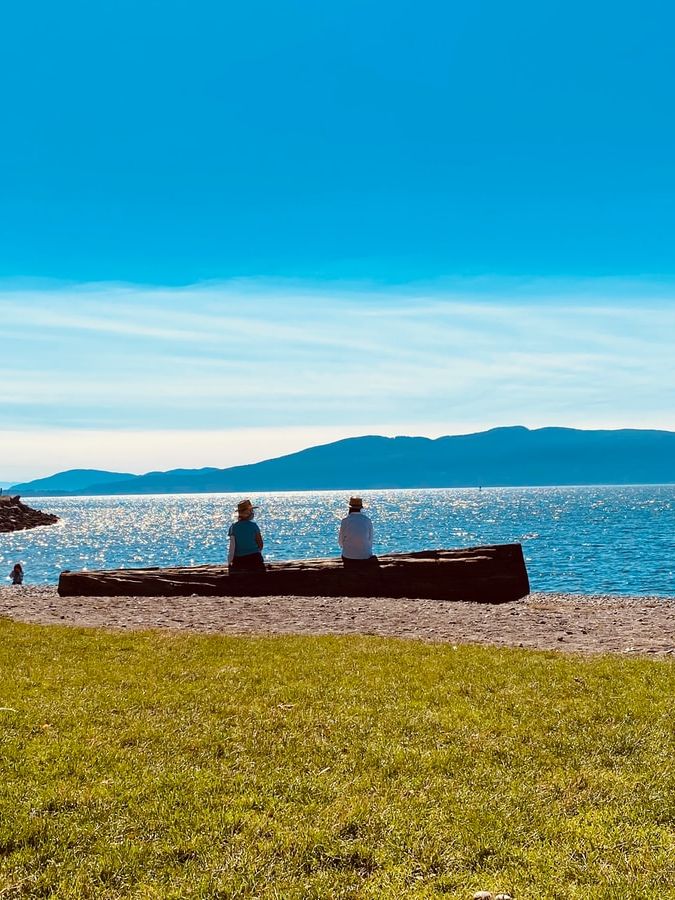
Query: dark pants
(252, 562)
(360, 564)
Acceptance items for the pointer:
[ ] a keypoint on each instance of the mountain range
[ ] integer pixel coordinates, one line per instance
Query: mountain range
(501, 457)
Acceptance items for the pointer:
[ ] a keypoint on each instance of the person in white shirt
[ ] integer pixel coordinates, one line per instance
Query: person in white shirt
(356, 537)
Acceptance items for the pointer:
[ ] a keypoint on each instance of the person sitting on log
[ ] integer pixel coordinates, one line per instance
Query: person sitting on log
(356, 537)
(17, 574)
(246, 543)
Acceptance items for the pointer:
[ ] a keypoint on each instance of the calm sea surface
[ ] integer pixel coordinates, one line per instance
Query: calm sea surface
(618, 540)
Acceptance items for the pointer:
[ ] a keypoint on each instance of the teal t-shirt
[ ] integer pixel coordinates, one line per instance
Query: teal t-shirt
(244, 532)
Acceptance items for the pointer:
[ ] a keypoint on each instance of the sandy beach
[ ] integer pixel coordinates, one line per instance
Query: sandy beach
(544, 621)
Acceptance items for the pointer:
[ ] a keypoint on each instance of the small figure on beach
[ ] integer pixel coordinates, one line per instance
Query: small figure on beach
(356, 537)
(246, 543)
(17, 574)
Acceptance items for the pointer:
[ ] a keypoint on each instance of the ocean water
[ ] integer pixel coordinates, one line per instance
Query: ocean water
(618, 540)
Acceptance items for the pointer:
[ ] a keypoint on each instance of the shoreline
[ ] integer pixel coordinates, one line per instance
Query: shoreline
(574, 623)
(17, 516)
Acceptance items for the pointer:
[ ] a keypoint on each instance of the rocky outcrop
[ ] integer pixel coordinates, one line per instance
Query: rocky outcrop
(484, 574)
(16, 516)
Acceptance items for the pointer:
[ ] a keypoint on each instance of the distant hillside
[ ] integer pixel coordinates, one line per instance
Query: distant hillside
(500, 457)
(69, 482)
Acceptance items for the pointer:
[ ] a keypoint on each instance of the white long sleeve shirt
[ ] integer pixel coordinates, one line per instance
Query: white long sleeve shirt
(356, 536)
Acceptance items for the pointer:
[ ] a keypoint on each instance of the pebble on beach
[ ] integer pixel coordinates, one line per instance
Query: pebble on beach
(609, 624)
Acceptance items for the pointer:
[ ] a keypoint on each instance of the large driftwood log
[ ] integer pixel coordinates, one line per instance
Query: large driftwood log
(16, 516)
(485, 574)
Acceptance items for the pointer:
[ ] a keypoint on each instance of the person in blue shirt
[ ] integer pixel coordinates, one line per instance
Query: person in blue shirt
(246, 543)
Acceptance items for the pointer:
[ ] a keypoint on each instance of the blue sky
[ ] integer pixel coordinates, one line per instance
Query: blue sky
(318, 219)
(135, 378)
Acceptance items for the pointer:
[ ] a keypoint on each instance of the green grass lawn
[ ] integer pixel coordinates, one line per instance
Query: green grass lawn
(154, 765)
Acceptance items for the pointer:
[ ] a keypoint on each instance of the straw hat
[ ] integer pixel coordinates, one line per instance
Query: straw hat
(245, 506)
(355, 503)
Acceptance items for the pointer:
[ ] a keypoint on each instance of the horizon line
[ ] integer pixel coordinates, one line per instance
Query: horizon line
(142, 474)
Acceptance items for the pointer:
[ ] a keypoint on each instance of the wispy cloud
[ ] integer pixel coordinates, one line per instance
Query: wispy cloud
(241, 355)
